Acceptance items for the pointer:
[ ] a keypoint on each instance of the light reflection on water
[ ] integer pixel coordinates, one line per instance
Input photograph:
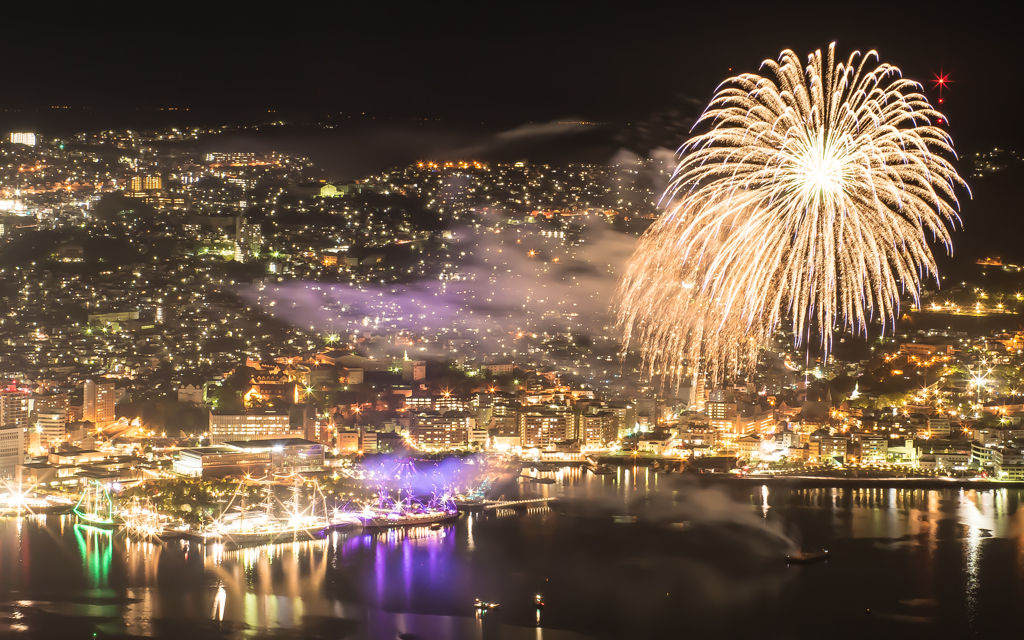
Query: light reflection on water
(911, 544)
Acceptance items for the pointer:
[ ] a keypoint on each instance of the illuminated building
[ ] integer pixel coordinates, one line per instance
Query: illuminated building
(252, 425)
(337, 190)
(248, 239)
(413, 370)
(146, 183)
(445, 403)
(499, 369)
(12, 449)
(506, 427)
(348, 441)
(753, 419)
(369, 442)
(286, 454)
(722, 416)
(235, 158)
(49, 402)
(544, 427)
(351, 441)
(938, 427)
(625, 414)
(14, 408)
(24, 138)
(49, 425)
(105, 319)
(98, 402)
(748, 447)
(598, 429)
(432, 430)
(873, 450)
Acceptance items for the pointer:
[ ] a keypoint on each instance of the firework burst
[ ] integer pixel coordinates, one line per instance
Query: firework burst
(808, 200)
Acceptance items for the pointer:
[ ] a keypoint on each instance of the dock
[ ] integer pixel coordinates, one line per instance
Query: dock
(518, 504)
(494, 505)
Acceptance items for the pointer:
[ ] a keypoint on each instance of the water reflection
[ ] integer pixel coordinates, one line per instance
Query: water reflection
(600, 577)
(270, 586)
(95, 547)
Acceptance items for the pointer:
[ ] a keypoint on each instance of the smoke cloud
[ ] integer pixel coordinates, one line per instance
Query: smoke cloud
(497, 285)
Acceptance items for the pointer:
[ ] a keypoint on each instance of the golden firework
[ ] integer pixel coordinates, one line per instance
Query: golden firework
(807, 199)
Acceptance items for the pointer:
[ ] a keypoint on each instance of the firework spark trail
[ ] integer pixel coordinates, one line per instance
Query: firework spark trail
(808, 200)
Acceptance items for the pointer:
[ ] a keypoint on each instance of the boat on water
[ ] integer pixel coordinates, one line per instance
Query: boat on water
(375, 519)
(474, 496)
(807, 557)
(175, 531)
(406, 512)
(602, 470)
(538, 600)
(142, 519)
(95, 507)
(18, 504)
(484, 606)
(538, 480)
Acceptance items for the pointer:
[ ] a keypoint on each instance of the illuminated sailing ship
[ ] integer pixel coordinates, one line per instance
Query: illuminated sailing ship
(241, 525)
(95, 508)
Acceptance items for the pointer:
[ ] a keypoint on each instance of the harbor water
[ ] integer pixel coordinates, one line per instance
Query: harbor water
(633, 554)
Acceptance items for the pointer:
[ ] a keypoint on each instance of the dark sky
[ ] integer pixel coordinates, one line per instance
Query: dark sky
(497, 61)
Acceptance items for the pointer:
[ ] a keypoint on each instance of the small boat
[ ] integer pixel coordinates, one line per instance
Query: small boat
(623, 519)
(539, 480)
(806, 557)
(435, 526)
(539, 601)
(602, 470)
(484, 606)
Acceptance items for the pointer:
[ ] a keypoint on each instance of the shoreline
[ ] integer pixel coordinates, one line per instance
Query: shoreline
(894, 483)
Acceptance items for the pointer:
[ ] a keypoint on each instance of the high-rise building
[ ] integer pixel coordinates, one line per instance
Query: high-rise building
(12, 449)
(625, 414)
(49, 425)
(98, 402)
(252, 425)
(24, 138)
(722, 413)
(248, 239)
(49, 402)
(543, 427)
(598, 429)
(14, 408)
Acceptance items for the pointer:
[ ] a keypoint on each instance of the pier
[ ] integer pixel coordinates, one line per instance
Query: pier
(516, 504)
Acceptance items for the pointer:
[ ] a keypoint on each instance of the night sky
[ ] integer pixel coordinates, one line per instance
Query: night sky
(510, 62)
(641, 69)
